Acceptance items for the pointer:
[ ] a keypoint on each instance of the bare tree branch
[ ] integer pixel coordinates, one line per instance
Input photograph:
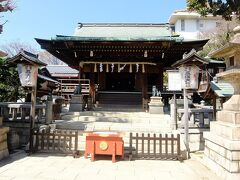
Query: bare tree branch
(14, 48)
(5, 5)
(218, 36)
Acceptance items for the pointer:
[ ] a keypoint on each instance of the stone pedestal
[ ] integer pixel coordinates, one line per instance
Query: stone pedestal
(76, 103)
(156, 105)
(3, 141)
(222, 143)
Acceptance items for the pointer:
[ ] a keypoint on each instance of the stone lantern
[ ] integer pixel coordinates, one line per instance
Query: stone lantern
(222, 143)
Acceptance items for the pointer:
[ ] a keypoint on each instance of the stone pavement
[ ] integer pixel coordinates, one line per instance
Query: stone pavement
(19, 166)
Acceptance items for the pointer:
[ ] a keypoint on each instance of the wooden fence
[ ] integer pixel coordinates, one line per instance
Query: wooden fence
(62, 141)
(154, 147)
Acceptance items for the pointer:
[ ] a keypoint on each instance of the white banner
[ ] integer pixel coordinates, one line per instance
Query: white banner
(174, 80)
(28, 74)
(189, 77)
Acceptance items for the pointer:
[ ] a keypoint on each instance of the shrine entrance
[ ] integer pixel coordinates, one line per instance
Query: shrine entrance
(123, 61)
(120, 81)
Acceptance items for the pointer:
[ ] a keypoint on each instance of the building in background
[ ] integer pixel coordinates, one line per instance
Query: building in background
(191, 25)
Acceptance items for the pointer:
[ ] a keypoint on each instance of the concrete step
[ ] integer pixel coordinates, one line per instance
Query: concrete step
(115, 121)
(124, 120)
(115, 114)
(109, 126)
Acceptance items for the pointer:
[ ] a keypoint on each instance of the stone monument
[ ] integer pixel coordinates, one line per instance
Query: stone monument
(155, 105)
(76, 103)
(222, 143)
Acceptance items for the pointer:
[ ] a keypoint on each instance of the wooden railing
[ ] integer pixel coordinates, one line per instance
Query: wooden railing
(62, 141)
(67, 87)
(154, 146)
(21, 111)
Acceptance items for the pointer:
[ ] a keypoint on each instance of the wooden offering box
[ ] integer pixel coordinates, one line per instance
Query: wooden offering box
(104, 143)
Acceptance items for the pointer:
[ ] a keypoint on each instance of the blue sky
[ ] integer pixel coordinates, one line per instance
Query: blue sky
(46, 18)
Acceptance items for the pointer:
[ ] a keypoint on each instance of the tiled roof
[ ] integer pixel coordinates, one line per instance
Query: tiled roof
(47, 78)
(26, 56)
(121, 32)
(59, 70)
(190, 57)
(222, 89)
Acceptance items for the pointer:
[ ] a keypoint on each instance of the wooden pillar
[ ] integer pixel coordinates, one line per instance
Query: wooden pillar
(102, 80)
(92, 85)
(214, 107)
(160, 78)
(80, 71)
(32, 117)
(144, 85)
(138, 82)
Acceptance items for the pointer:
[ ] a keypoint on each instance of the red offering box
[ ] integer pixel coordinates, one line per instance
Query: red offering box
(104, 143)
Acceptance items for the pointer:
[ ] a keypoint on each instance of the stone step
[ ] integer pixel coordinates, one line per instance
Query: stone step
(115, 114)
(98, 126)
(115, 120)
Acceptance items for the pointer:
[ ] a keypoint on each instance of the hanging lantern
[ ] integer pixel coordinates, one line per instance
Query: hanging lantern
(130, 68)
(143, 69)
(95, 67)
(145, 54)
(118, 67)
(91, 53)
(107, 70)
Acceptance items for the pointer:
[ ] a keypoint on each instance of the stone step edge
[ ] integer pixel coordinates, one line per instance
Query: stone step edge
(226, 143)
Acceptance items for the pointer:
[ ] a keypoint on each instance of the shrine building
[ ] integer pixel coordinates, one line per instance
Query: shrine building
(121, 61)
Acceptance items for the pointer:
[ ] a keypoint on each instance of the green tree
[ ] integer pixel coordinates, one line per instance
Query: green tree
(225, 8)
(10, 87)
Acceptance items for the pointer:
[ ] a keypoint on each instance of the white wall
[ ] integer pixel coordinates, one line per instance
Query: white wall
(192, 30)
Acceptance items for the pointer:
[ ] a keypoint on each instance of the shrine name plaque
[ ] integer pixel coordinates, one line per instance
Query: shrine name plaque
(104, 143)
